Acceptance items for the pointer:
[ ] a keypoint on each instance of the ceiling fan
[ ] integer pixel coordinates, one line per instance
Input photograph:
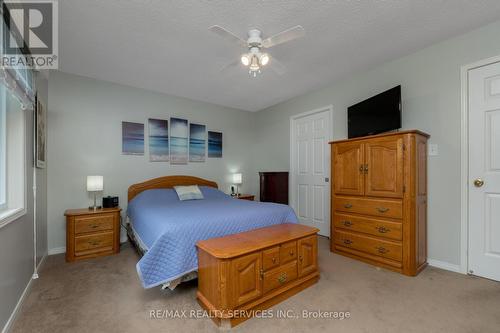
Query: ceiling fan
(256, 57)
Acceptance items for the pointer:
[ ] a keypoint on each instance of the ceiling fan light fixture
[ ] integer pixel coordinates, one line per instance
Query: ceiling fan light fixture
(245, 59)
(264, 59)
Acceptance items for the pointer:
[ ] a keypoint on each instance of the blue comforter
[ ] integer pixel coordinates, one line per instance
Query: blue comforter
(169, 228)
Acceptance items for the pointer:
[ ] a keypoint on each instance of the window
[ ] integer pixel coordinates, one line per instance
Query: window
(12, 157)
(16, 97)
(3, 148)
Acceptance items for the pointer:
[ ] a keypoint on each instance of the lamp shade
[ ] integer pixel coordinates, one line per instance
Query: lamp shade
(95, 183)
(237, 178)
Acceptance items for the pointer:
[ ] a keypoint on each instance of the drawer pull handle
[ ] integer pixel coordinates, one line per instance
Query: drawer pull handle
(366, 169)
(347, 241)
(382, 230)
(348, 205)
(347, 223)
(282, 278)
(95, 226)
(361, 168)
(94, 243)
(291, 253)
(382, 209)
(382, 250)
(274, 260)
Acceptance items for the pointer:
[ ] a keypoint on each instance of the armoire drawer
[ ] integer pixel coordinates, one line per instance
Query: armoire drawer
(392, 208)
(369, 225)
(383, 248)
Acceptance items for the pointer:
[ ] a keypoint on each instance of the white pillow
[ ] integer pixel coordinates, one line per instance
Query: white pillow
(191, 192)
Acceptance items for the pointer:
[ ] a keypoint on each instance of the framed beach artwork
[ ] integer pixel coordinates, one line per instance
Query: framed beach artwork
(178, 141)
(132, 138)
(214, 144)
(197, 142)
(158, 140)
(41, 136)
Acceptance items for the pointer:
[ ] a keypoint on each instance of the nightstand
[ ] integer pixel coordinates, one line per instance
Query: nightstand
(246, 197)
(91, 234)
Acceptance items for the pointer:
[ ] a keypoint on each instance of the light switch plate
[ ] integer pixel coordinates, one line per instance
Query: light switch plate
(433, 149)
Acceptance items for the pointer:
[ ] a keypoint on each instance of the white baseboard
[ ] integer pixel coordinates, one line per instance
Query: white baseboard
(13, 315)
(444, 265)
(57, 250)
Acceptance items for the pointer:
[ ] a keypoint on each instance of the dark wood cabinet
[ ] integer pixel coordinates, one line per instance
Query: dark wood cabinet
(274, 187)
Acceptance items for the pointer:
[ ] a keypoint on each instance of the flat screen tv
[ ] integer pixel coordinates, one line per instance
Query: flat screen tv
(380, 113)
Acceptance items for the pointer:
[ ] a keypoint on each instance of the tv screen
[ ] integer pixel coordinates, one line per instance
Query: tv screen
(377, 114)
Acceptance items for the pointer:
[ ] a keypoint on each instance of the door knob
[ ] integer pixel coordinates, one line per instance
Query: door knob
(478, 182)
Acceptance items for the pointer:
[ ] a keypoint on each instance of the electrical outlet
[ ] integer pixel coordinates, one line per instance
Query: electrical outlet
(433, 149)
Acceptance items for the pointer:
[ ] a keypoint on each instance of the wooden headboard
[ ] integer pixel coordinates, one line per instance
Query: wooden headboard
(167, 182)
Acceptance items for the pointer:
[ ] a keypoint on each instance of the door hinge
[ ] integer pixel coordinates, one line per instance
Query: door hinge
(404, 146)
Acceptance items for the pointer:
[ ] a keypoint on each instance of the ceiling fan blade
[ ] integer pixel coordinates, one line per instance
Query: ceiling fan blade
(276, 66)
(284, 36)
(229, 66)
(228, 35)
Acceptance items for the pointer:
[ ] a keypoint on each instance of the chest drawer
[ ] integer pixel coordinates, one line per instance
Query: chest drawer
(288, 252)
(369, 225)
(271, 258)
(85, 224)
(382, 248)
(376, 207)
(279, 276)
(93, 243)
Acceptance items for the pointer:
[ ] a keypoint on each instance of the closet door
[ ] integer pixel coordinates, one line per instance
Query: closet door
(348, 168)
(383, 167)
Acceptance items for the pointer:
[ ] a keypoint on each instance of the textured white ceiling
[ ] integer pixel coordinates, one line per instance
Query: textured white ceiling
(165, 46)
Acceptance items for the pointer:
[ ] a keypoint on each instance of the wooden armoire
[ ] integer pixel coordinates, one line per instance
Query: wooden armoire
(379, 200)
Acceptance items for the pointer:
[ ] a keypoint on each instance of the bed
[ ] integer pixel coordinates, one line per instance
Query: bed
(165, 229)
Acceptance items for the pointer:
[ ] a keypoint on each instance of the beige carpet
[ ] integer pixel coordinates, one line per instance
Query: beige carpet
(104, 295)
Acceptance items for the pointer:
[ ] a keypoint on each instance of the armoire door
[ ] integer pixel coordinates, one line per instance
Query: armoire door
(246, 278)
(383, 168)
(348, 168)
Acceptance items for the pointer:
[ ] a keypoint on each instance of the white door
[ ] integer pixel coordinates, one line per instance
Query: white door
(484, 171)
(310, 168)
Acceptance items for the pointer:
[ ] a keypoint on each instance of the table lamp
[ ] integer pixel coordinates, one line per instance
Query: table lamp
(95, 184)
(237, 180)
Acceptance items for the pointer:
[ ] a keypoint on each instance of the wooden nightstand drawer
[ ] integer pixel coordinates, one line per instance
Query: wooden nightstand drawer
(93, 243)
(92, 233)
(85, 224)
(249, 197)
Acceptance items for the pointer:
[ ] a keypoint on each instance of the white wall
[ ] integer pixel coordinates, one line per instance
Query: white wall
(430, 82)
(84, 122)
(16, 238)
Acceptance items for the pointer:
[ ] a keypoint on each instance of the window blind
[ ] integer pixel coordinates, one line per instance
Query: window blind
(18, 80)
